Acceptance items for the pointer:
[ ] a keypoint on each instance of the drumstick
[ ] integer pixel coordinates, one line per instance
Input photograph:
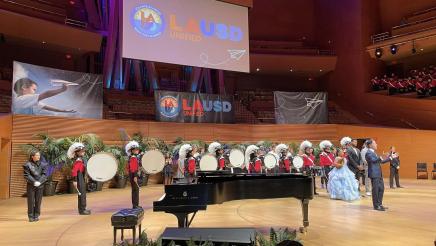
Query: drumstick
(78, 192)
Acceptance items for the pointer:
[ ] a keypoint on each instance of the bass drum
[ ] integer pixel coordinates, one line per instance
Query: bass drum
(270, 160)
(208, 163)
(236, 158)
(102, 166)
(297, 162)
(153, 161)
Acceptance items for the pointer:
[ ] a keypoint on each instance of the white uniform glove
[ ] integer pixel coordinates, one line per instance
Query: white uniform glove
(37, 184)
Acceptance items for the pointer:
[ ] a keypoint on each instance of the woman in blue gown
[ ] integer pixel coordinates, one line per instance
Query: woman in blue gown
(342, 184)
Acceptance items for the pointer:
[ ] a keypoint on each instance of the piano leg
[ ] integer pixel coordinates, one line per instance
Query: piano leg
(305, 208)
(182, 219)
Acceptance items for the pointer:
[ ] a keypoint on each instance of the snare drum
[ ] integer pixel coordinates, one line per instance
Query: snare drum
(208, 163)
(102, 166)
(153, 161)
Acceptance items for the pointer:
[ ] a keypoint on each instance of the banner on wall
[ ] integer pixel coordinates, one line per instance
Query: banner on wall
(301, 107)
(193, 107)
(200, 33)
(46, 91)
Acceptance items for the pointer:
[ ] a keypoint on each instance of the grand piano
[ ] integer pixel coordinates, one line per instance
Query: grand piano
(218, 187)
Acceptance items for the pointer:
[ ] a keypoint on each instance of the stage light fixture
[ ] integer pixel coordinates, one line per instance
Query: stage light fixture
(413, 50)
(378, 52)
(257, 69)
(394, 49)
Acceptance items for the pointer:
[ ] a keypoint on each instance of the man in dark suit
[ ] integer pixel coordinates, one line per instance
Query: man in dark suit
(394, 168)
(354, 159)
(375, 174)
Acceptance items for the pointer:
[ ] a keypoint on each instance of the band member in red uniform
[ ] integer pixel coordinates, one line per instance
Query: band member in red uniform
(133, 166)
(326, 160)
(36, 175)
(216, 149)
(308, 161)
(186, 157)
(77, 152)
(252, 159)
(284, 163)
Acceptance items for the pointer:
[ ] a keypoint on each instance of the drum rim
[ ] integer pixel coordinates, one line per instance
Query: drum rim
(273, 155)
(208, 155)
(243, 157)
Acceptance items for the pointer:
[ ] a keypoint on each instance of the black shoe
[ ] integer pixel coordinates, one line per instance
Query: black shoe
(85, 212)
(379, 208)
(31, 219)
(385, 208)
(316, 193)
(400, 186)
(135, 207)
(36, 219)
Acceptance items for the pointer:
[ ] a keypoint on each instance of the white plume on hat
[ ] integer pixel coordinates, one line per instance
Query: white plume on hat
(279, 148)
(250, 150)
(130, 146)
(325, 144)
(73, 148)
(184, 149)
(345, 141)
(213, 147)
(289, 154)
(305, 144)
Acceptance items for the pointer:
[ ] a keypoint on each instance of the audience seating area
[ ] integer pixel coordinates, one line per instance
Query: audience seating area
(422, 81)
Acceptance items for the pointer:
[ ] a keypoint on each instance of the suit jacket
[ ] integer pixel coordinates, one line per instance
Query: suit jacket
(354, 160)
(35, 172)
(395, 162)
(374, 164)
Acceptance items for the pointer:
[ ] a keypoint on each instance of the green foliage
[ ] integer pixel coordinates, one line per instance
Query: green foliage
(294, 146)
(275, 237)
(121, 157)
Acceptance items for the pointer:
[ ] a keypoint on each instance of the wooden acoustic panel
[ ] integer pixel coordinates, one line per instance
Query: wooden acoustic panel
(5, 152)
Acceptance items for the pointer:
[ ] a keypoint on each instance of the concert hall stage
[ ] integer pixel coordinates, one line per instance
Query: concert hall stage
(410, 219)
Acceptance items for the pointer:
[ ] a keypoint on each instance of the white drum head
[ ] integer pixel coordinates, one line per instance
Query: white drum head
(153, 161)
(297, 162)
(208, 163)
(270, 161)
(236, 158)
(102, 166)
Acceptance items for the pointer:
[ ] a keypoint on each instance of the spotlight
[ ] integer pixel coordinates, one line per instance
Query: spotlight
(394, 49)
(257, 69)
(378, 52)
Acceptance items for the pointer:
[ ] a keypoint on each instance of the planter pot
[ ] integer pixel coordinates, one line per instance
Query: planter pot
(50, 188)
(99, 186)
(120, 181)
(143, 180)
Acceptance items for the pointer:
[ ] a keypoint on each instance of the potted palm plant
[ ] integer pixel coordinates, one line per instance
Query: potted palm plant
(121, 176)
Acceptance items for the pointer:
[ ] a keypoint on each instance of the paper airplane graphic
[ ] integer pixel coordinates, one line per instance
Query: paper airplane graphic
(313, 102)
(237, 54)
(60, 82)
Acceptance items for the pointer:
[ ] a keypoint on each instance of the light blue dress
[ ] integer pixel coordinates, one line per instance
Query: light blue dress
(343, 184)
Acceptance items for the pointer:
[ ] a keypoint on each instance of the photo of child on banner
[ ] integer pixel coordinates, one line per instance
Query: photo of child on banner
(46, 91)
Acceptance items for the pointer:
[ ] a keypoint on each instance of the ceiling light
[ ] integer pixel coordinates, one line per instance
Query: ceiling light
(257, 69)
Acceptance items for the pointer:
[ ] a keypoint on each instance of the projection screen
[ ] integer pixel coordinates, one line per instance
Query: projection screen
(201, 33)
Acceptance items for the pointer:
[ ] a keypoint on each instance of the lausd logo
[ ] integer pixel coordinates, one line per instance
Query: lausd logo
(169, 106)
(147, 21)
(199, 107)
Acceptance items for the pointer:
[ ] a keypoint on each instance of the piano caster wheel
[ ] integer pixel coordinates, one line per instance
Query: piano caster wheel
(303, 230)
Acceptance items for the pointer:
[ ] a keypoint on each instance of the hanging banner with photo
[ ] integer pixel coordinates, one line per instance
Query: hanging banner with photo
(47, 91)
(301, 107)
(193, 107)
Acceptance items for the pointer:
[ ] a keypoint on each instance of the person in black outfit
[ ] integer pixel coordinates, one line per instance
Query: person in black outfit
(376, 175)
(394, 169)
(355, 163)
(36, 175)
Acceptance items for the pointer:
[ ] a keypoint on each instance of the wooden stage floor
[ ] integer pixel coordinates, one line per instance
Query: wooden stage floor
(410, 220)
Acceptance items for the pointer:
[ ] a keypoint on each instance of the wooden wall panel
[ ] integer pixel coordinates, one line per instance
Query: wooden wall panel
(5, 152)
(413, 145)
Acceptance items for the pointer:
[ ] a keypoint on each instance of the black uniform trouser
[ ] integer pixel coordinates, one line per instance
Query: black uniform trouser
(135, 191)
(325, 175)
(378, 189)
(34, 198)
(394, 173)
(81, 186)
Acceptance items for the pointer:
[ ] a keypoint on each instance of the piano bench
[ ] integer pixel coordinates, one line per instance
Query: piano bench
(127, 219)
